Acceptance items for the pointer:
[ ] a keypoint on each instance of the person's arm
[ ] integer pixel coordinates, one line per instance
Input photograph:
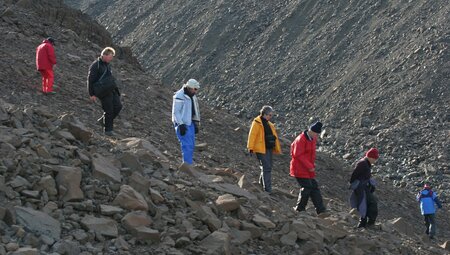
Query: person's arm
(300, 154)
(357, 172)
(437, 201)
(51, 55)
(251, 141)
(91, 78)
(177, 110)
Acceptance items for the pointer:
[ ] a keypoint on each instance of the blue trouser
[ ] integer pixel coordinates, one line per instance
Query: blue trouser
(187, 142)
(265, 161)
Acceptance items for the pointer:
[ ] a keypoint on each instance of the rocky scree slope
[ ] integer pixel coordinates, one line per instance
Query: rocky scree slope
(65, 189)
(375, 72)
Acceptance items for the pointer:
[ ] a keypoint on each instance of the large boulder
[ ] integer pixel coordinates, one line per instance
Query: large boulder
(103, 169)
(68, 180)
(227, 202)
(217, 243)
(130, 199)
(104, 226)
(38, 222)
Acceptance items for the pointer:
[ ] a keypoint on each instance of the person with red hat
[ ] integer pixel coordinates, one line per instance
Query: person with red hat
(363, 187)
(45, 60)
(427, 198)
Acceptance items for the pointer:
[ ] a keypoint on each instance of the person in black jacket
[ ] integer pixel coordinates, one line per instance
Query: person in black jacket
(100, 70)
(363, 187)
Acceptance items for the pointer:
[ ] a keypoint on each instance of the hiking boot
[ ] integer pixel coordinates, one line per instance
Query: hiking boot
(362, 223)
(188, 169)
(324, 214)
(109, 133)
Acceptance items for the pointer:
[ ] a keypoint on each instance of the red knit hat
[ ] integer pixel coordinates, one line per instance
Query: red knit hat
(372, 153)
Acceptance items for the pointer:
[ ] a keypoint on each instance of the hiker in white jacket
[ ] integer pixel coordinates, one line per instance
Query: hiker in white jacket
(186, 118)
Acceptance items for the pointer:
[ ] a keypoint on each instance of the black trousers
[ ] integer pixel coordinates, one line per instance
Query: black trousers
(309, 188)
(372, 209)
(111, 106)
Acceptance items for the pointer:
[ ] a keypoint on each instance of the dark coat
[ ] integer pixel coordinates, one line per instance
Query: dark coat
(96, 70)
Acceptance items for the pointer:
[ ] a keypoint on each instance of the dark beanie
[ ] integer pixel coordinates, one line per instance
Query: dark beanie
(316, 127)
(51, 40)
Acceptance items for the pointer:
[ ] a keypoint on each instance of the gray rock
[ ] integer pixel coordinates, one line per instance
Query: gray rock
(38, 222)
(76, 128)
(26, 251)
(227, 202)
(103, 169)
(104, 226)
(182, 242)
(129, 160)
(147, 234)
(139, 182)
(20, 182)
(48, 184)
(66, 247)
(136, 219)
(68, 180)
(109, 210)
(263, 221)
(130, 199)
(217, 243)
(289, 239)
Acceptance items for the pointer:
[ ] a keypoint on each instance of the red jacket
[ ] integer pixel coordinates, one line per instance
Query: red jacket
(45, 56)
(303, 156)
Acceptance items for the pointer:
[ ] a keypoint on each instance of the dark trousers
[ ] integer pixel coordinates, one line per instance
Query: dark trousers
(111, 106)
(265, 162)
(372, 210)
(309, 188)
(430, 224)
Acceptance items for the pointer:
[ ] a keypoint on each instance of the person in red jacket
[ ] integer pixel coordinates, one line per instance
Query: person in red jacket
(45, 60)
(303, 157)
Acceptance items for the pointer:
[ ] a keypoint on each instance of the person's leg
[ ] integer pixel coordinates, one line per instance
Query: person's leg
(316, 197)
(117, 105)
(303, 195)
(108, 108)
(187, 142)
(432, 225)
(50, 79)
(44, 80)
(266, 171)
(427, 224)
(362, 222)
(372, 208)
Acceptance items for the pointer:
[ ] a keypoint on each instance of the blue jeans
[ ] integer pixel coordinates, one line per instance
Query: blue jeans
(187, 142)
(265, 160)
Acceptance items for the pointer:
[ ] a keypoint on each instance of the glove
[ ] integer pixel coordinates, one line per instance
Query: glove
(196, 127)
(182, 129)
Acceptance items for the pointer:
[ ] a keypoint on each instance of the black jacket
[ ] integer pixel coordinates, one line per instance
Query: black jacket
(362, 171)
(96, 70)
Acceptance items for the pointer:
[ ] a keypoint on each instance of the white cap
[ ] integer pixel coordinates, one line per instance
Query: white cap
(192, 83)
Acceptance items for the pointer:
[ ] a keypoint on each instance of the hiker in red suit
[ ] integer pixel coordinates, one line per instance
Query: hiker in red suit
(303, 168)
(45, 60)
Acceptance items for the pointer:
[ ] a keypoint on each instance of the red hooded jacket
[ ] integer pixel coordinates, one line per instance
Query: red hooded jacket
(303, 156)
(45, 56)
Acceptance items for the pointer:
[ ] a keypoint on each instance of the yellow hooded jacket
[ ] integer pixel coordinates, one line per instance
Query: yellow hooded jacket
(256, 141)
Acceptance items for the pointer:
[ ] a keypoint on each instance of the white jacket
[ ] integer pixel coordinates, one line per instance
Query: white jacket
(182, 108)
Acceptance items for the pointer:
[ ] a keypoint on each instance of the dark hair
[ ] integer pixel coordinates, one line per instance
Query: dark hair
(266, 110)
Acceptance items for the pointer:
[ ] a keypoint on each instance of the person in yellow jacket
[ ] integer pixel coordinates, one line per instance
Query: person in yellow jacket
(263, 140)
